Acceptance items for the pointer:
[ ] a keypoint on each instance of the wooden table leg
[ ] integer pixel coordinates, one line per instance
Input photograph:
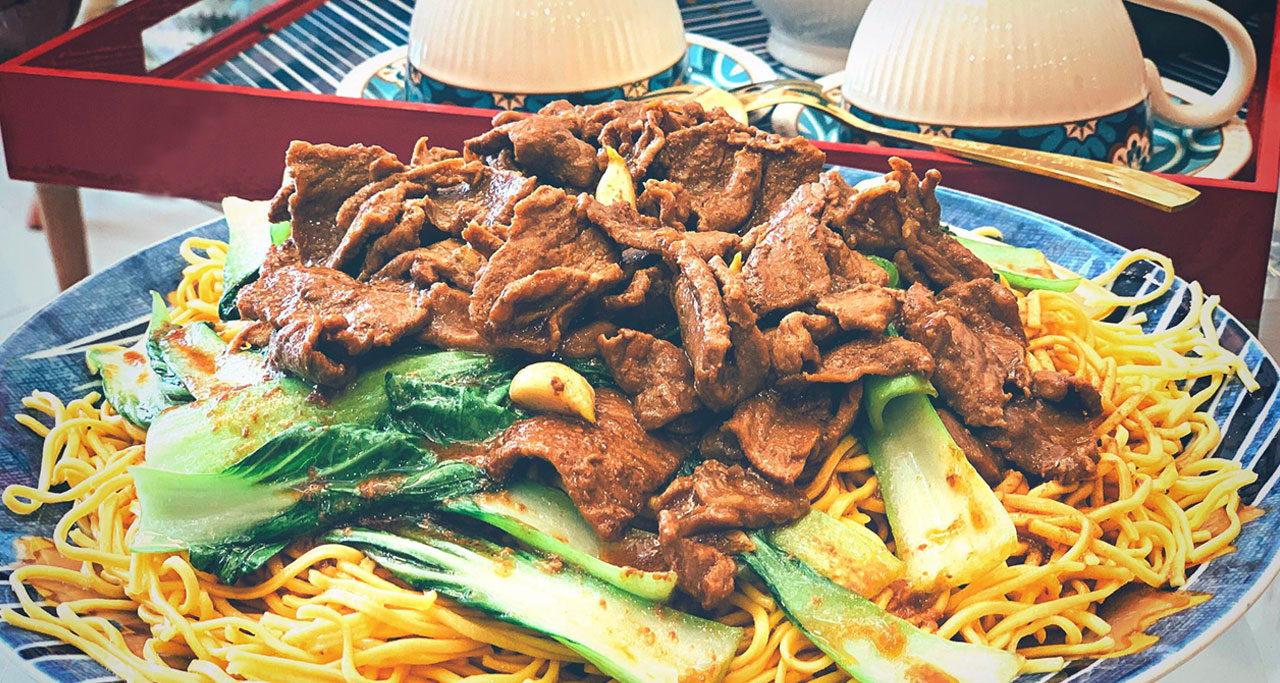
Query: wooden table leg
(64, 228)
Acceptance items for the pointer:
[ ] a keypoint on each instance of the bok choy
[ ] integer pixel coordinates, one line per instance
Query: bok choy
(446, 396)
(301, 481)
(627, 637)
(852, 556)
(1022, 267)
(547, 520)
(948, 526)
(864, 640)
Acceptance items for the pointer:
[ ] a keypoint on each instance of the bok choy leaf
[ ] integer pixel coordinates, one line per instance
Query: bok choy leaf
(864, 640)
(303, 480)
(627, 637)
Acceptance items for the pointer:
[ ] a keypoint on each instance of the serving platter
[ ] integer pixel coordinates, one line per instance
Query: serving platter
(47, 353)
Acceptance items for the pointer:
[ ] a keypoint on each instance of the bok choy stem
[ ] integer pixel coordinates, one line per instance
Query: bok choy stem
(948, 526)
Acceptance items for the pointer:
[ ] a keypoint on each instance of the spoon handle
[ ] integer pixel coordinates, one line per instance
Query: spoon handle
(1145, 188)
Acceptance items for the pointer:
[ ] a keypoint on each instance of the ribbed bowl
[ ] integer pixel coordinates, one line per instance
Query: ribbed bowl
(994, 62)
(544, 46)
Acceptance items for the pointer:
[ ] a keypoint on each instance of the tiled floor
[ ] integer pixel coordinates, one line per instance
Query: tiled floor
(120, 224)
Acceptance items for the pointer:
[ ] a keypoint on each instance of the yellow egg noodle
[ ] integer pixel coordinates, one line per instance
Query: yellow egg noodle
(325, 614)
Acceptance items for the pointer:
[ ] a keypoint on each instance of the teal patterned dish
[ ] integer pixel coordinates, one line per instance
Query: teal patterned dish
(1210, 153)
(707, 62)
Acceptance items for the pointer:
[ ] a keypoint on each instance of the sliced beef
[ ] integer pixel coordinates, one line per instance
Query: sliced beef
(862, 307)
(1069, 391)
(721, 175)
(988, 463)
(298, 348)
(551, 264)
(451, 261)
(991, 310)
(779, 432)
(899, 213)
(886, 357)
(729, 355)
(584, 342)
(351, 316)
(654, 372)
(645, 286)
(969, 376)
(450, 325)
(634, 230)
(609, 468)
(375, 218)
(1049, 441)
(424, 153)
(795, 258)
(667, 201)
(718, 496)
(793, 344)
(788, 163)
(405, 235)
(487, 197)
(544, 146)
(319, 179)
(702, 570)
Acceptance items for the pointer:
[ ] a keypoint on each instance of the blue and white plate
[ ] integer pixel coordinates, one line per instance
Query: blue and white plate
(711, 62)
(47, 353)
(1210, 153)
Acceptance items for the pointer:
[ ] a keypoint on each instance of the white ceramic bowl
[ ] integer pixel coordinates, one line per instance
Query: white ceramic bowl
(1010, 63)
(811, 35)
(1014, 63)
(544, 46)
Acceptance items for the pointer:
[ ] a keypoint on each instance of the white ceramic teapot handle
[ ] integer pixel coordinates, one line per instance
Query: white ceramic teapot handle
(1243, 67)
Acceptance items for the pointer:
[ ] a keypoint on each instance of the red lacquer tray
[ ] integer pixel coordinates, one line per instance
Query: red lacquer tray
(83, 110)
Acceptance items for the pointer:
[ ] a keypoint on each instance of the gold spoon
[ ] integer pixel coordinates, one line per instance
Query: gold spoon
(1139, 186)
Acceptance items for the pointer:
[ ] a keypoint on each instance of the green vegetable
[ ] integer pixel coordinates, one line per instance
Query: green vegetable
(880, 391)
(948, 526)
(304, 479)
(629, 638)
(864, 640)
(251, 234)
(894, 279)
(170, 381)
(129, 384)
(851, 556)
(1022, 267)
(210, 434)
(462, 397)
(546, 519)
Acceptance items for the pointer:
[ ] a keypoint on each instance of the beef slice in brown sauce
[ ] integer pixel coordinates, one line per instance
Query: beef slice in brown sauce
(609, 468)
(552, 263)
(349, 316)
(716, 497)
(717, 170)
(881, 356)
(779, 431)
(319, 179)
(970, 377)
(656, 374)
(726, 349)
